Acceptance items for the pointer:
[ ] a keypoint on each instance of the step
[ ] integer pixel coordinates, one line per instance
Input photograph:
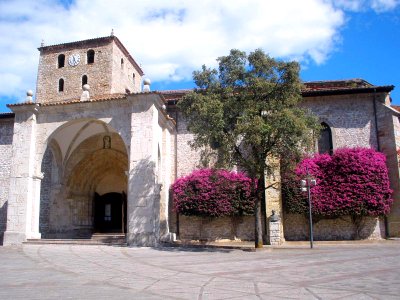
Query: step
(109, 237)
(106, 239)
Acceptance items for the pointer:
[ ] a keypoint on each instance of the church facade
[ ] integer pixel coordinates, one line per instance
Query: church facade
(97, 152)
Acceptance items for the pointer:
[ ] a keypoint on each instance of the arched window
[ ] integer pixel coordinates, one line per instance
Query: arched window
(122, 63)
(90, 56)
(133, 77)
(84, 80)
(61, 61)
(325, 144)
(61, 85)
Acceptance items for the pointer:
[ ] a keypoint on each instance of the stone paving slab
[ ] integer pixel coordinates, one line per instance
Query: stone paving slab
(329, 271)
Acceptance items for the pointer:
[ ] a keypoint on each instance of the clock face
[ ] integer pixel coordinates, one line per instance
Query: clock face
(74, 59)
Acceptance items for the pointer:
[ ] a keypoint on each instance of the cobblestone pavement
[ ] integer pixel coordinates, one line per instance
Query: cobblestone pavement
(362, 271)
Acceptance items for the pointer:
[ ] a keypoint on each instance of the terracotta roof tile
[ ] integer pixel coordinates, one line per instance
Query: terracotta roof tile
(312, 88)
(7, 115)
(21, 104)
(97, 98)
(396, 107)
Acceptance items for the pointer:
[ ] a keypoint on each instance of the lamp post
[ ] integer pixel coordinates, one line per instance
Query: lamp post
(306, 185)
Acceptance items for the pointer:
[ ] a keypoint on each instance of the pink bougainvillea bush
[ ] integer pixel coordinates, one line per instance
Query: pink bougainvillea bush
(353, 181)
(213, 193)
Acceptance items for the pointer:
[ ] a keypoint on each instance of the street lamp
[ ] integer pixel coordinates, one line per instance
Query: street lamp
(306, 185)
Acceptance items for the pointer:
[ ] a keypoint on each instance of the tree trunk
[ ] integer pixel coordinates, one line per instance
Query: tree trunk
(258, 239)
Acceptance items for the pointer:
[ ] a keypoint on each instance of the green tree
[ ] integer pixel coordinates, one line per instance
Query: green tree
(247, 114)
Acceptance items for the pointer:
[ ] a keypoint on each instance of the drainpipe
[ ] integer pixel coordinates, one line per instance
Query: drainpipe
(376, 122)
(385, 219)
(176, 163)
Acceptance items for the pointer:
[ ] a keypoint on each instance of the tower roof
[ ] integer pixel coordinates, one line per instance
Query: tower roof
(92, 42)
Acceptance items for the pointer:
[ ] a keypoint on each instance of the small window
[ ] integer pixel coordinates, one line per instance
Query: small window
(122, 63)
(61, 61)
(90, 57)
(84, 80)
(61, 85)
(325, 144)
(133, 77)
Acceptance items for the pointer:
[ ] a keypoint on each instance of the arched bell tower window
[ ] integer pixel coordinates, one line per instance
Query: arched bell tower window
(122, 63)
(61, 85)
(90, 56)
(84, 80)
(325, 144)
(61, 61)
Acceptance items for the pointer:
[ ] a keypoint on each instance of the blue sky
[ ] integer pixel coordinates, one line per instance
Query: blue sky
(332, 40)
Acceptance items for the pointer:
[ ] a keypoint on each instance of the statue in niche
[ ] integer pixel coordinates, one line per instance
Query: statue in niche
(106, 142)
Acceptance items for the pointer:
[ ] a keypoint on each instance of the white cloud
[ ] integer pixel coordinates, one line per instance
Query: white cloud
(169, 38)
(384, 5)
(378, 6)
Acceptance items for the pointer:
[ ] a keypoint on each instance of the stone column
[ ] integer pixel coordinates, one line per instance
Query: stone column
(33, 232)
(24, 195)
(165, 235)
(143, 191)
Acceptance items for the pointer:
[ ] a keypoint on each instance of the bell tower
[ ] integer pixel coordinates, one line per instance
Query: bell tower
(102, 63)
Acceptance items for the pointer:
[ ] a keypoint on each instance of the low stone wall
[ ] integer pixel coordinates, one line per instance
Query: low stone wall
(296, 228)
(212, 229)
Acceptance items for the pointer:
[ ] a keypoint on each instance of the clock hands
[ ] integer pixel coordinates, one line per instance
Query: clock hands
(74, 59)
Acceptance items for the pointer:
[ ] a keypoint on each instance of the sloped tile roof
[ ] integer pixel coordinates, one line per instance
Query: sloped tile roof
(312, 88)
(7, 115)
(97, 98)
(89, 42)
(347, 86)
(396, 107)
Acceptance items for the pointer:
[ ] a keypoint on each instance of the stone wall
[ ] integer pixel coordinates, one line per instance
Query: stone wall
(214, 229)
(98, 73)
(389, 142)
(352, 122)
(124, 74)
(6, 135)
(188, 159)
(350, 117)
(105, 75)
(297, 228)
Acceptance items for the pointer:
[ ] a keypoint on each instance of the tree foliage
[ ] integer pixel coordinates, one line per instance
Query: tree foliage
(213, 193)
(351, 182)
(246, 113)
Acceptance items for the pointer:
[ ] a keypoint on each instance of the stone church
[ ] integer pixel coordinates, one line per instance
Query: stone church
(95, 151)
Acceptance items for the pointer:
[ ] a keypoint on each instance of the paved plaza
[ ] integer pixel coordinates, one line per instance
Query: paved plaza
(356, 271)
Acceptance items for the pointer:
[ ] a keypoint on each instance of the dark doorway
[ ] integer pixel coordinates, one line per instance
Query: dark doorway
(110, 213)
